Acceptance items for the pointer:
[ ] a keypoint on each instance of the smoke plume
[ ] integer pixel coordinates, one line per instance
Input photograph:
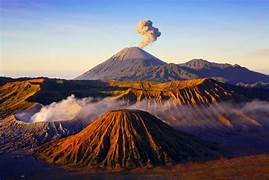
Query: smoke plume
(149, 32)
(66, 109)
(189, 118)
(71, 108)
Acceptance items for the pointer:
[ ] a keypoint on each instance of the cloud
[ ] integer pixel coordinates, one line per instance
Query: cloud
(149, 32)
(71, 108)
(222, 116)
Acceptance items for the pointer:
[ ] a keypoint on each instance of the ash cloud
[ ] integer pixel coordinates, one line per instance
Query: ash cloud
(150, 33)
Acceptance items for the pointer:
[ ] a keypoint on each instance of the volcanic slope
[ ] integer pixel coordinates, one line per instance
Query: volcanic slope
(127, 63)
(125, 139)
(136, 64)
(14, 95)
(17, 135)
(185, 92)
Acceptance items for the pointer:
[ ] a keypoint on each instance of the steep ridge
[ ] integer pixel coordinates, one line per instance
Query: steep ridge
(17, 135)
(187, 92)
(14, 95)
(125, 139)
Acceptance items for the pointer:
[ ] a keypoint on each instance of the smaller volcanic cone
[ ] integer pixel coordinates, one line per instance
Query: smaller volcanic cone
(125, 139)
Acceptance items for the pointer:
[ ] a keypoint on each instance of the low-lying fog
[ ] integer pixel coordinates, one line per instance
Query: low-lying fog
(244, 115)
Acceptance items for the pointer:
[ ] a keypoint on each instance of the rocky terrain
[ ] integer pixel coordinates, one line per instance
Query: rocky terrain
(18, 135)
(188, 92)
(193, 106)
(231, 119)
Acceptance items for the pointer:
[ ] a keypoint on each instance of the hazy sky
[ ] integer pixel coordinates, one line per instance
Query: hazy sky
(64, 38)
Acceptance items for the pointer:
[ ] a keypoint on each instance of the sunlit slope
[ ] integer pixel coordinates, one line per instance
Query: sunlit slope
(20, 95)
(125, 139)
(197, 91)
(14, 95)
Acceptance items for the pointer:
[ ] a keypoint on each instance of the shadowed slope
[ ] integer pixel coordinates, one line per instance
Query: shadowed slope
(127, 139)
(224, 72)
(18, 135)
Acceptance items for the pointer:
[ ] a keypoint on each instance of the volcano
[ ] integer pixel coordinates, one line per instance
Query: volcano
(125, 139)
(135, 64)
(127, 63)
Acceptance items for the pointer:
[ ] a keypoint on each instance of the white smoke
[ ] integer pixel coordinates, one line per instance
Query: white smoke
(221, 115)
(72, 108)
(66, 109)
(253, 113)
(149, 32)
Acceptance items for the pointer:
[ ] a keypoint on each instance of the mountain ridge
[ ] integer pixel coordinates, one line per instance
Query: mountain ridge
(136, 64)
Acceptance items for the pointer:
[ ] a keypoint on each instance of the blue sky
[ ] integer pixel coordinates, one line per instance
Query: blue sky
(63, 38)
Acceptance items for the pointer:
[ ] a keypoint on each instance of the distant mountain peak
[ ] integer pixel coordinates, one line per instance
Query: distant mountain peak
(124, 63)
(133, 53)
(201, 63)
